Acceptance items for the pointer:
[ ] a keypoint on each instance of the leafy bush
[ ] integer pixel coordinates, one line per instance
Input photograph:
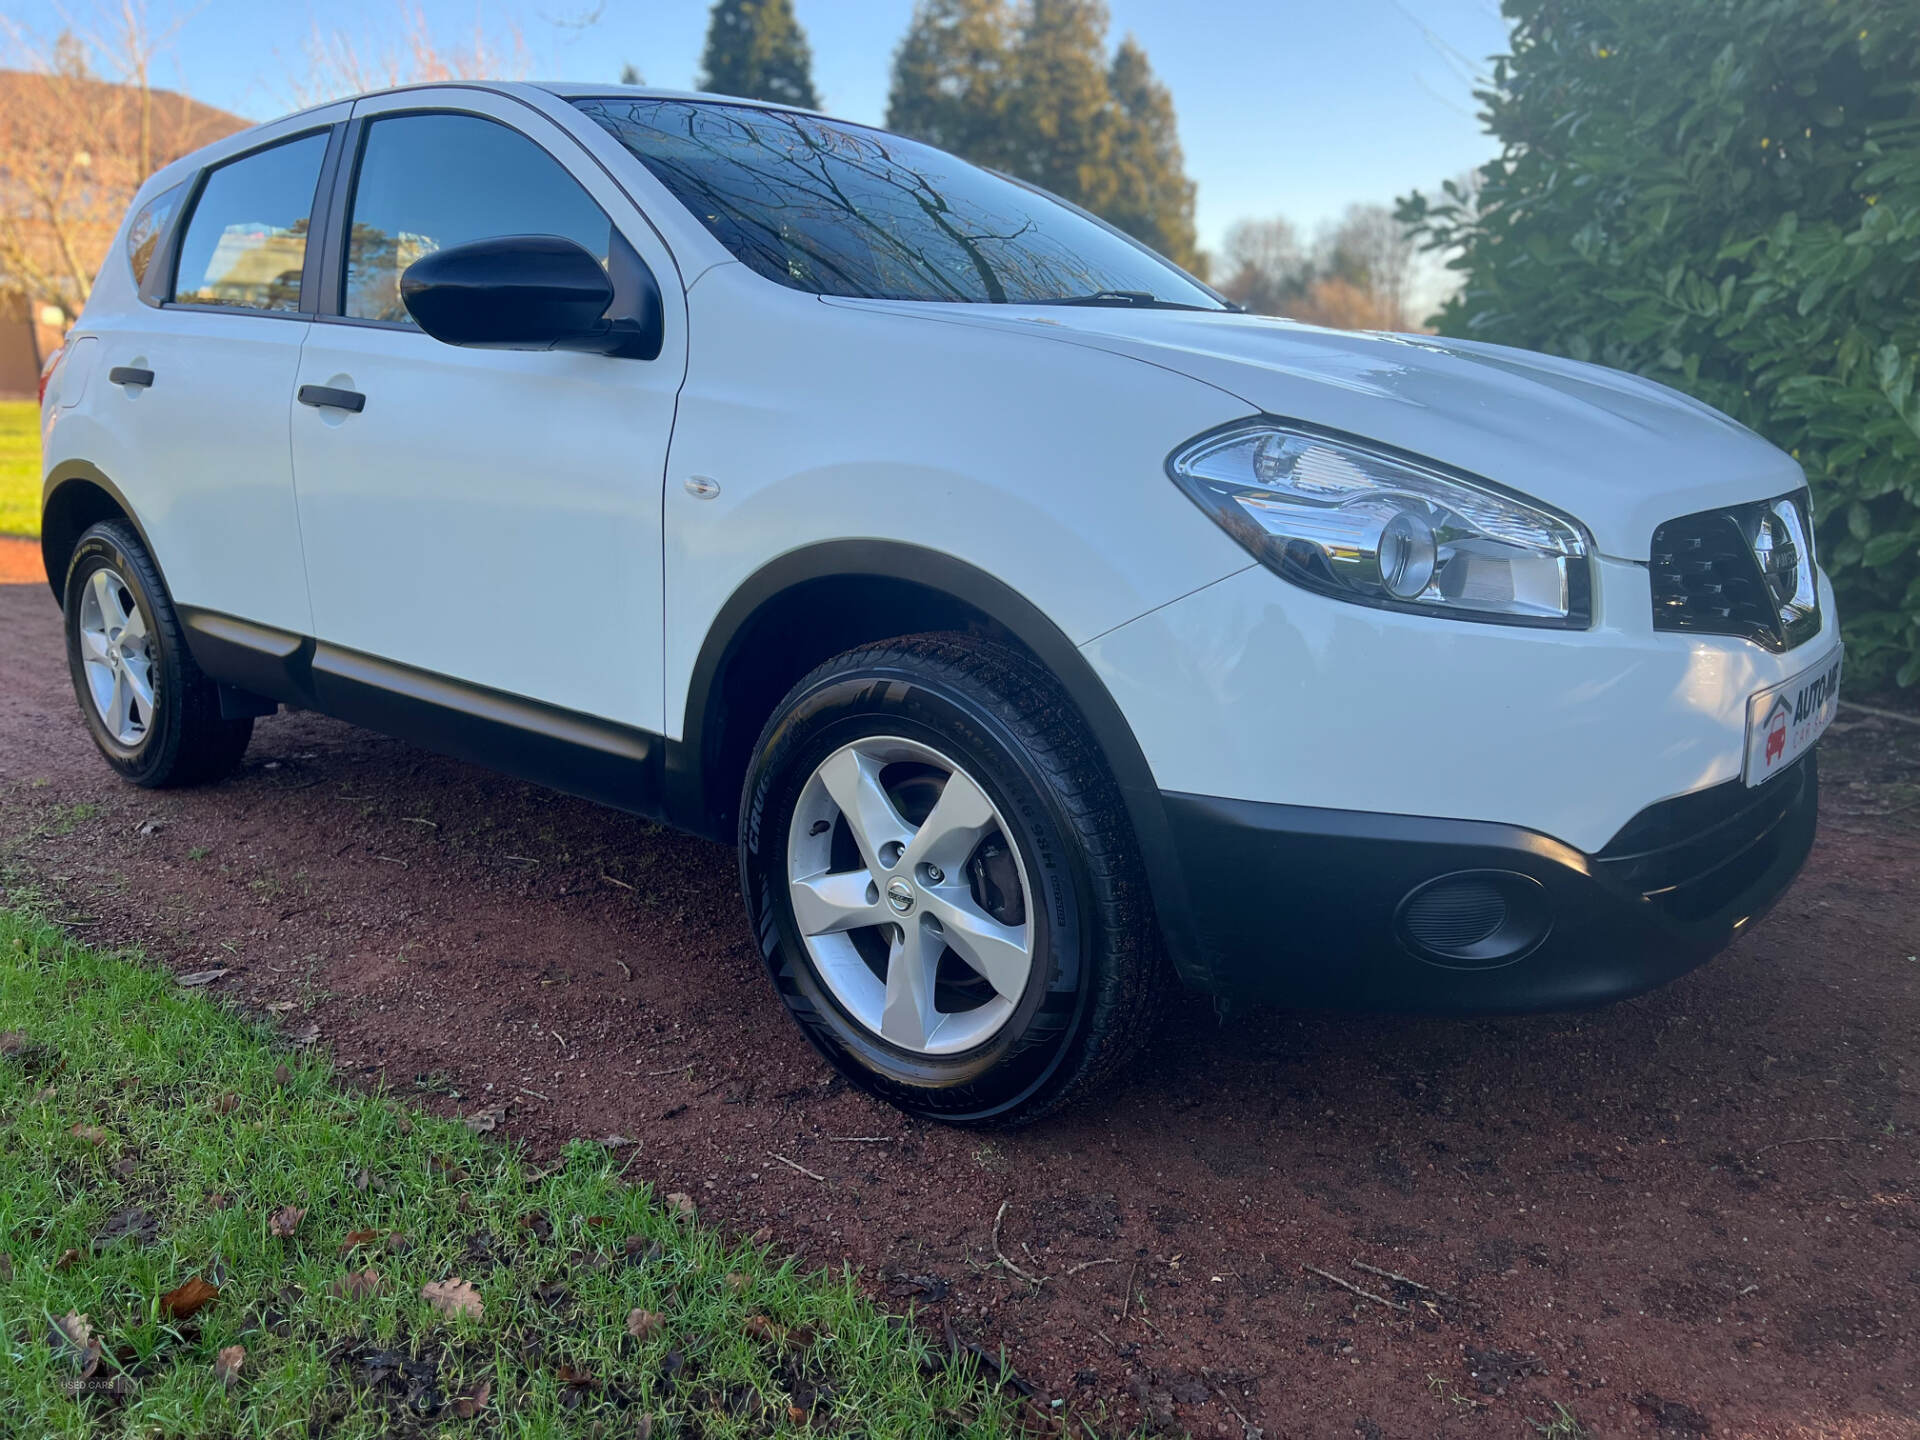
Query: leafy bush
(1724, 195)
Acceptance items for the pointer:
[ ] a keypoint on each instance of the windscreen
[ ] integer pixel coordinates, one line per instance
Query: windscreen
(837, 209)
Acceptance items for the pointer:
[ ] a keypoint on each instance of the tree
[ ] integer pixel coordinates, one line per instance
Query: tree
(950, 78)
(1263, 266)
(1371, 251)
(340, 63)
(630, 75)
(81, 127)
(1031, 90)
(757, 50)
(1060, 120)
(1153, 198)
(1724, 195)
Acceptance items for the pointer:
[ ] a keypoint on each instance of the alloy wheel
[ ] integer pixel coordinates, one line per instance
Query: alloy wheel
(116, 648)
(911, 896)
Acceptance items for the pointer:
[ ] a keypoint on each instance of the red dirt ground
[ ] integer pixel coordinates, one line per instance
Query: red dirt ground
(1696, 1213)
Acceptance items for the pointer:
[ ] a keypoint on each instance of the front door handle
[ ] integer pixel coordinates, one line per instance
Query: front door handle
(130, 375)
(326, 395)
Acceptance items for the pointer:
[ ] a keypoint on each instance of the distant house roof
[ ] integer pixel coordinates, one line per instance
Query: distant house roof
(176, 123)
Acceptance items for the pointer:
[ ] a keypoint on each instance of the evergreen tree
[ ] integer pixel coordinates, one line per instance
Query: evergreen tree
(1152, 196)
(950, 78)
(757, 50)
(1029, 90)
(630, 75)
(1059, 112)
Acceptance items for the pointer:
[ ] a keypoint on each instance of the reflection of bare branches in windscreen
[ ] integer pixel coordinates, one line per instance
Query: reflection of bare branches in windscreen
(839, 211)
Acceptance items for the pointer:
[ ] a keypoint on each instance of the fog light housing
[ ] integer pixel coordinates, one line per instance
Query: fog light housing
(1475, 919)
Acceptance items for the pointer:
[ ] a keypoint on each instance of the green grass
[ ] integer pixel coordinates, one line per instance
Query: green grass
(19, 468)
(149, 1137)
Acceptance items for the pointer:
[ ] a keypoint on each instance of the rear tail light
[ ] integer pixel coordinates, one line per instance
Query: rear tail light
(46, 370)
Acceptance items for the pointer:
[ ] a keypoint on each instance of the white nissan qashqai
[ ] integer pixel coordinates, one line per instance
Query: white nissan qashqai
(1035, 623)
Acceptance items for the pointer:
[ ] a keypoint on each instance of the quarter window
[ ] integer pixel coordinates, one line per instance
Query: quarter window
(143, 235)
(246, 242)
(427, 182)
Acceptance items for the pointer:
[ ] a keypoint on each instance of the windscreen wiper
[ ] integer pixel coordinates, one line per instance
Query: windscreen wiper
(1139, 299)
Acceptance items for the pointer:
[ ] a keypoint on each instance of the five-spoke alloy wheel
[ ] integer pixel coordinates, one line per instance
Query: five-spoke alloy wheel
(940, 873)
(154, 715)
(116, 648)
(909, 896)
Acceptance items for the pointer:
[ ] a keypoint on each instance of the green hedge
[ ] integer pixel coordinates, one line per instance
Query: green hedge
(1724, 195)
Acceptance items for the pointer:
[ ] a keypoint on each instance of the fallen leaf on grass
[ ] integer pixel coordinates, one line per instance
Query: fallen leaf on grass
(199, 977)
(482, 1122)
(218, 1201)
(67, 1260)
(759, 1327)
(453, 1298)
(6, 1268)
(92, 1134)
(281, 1075)
(357, 1284)
(578, 1379)
(681, 1204)
(186, 1300)
(471, 1404)
(736, 1282)
(226, 1365)
(284, 1221)
(75, 1333)
(643, 1325)
(356, 1238)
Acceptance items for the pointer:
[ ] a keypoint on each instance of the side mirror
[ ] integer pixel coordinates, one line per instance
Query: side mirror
(534, 292)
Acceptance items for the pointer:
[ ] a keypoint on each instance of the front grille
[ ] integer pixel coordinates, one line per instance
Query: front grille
(1707, 578)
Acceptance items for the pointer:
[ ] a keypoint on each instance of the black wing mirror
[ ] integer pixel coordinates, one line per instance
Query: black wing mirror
(536, 292)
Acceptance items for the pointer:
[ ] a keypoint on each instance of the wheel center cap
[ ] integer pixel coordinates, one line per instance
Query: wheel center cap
(899, 895)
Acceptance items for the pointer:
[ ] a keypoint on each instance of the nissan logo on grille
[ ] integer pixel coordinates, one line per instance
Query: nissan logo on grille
(1779, 545)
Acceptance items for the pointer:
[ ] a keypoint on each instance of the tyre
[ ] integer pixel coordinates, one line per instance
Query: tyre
(944, 885)
(152, 713)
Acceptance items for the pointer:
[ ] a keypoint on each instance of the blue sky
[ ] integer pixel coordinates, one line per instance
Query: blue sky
(1294, 107)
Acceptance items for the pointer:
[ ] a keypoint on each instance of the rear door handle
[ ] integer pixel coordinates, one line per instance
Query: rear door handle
(326, 395)
(130, 375)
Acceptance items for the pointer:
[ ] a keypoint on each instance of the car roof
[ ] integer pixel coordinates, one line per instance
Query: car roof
(582, 89)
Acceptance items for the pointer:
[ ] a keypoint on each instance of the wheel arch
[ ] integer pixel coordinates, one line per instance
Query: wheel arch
(78, 494)
(854, 592)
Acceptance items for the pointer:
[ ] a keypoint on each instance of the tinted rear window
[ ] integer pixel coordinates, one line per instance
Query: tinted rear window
(246, 241)
(841, 210)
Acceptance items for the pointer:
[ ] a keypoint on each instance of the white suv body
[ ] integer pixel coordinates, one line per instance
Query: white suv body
(1353, 669)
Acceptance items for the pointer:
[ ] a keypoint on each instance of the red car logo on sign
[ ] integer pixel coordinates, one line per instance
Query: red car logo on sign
(1777, 737)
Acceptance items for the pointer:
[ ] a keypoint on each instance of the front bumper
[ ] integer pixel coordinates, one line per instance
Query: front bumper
(1312, 907)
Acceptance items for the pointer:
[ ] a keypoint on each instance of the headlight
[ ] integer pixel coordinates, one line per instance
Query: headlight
(1363, 524)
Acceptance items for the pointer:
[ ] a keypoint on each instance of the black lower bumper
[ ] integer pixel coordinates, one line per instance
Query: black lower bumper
(1312, 907)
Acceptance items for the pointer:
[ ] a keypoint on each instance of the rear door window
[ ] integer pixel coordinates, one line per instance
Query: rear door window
(246, 242)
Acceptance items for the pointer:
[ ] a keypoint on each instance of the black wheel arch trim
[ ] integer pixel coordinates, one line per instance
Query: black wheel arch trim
(84, 472)
(690, 804)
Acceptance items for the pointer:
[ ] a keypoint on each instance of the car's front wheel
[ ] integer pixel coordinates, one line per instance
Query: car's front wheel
(943, 882)
(151, 711)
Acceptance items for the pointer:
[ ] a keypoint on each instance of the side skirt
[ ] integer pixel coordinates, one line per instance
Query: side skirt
(582, 755)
